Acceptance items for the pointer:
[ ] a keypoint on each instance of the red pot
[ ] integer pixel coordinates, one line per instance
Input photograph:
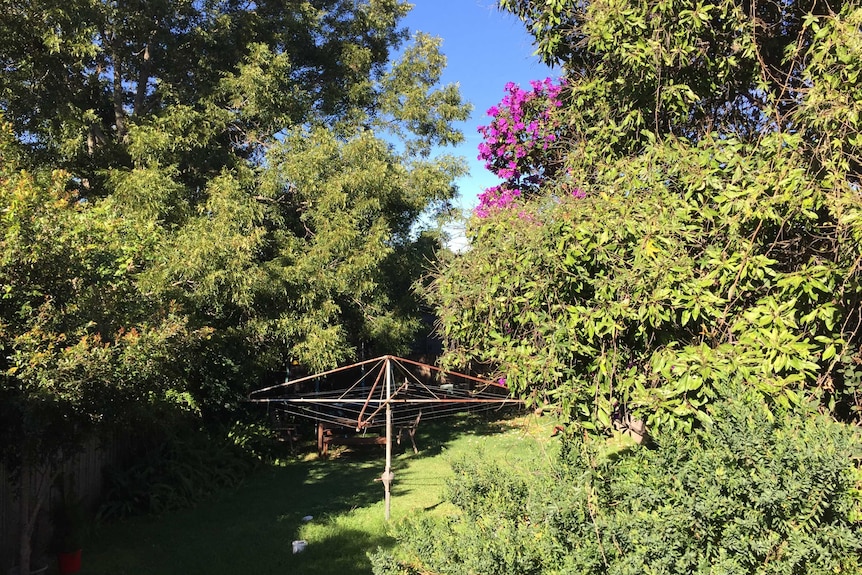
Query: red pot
(70, 562)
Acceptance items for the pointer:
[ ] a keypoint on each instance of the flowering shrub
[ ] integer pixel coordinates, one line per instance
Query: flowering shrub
(496, 197)
(519, 142)
(627, 304)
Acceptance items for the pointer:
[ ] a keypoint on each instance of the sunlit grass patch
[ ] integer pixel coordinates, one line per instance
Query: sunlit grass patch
(252, 529)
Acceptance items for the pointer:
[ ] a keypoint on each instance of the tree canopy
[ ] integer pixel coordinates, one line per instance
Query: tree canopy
(277, 152)
(691, 226)
(692, 69)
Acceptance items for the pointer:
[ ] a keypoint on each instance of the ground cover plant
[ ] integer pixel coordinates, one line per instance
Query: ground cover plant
(249, 529)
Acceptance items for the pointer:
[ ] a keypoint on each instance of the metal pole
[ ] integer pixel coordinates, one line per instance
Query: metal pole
(387, 472)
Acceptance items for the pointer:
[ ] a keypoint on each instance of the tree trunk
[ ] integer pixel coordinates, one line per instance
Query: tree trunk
(143, 80)
(27, 521)
(30, 501)
(119, 112)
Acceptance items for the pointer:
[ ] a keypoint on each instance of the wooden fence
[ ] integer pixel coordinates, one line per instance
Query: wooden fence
(86, 470)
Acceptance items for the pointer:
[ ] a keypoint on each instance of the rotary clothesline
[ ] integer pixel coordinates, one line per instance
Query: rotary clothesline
(403, 413)
(377, 368)
(435, 392)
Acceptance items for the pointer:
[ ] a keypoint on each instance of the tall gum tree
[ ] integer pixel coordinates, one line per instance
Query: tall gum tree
(196, 116)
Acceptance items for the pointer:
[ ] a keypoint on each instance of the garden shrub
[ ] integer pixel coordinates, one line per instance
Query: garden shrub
(682, 258)
(750, 493)
(683, 270)
(178, 472)
(665, 231)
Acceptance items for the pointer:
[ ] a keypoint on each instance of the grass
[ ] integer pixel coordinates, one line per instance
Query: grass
(251, 530)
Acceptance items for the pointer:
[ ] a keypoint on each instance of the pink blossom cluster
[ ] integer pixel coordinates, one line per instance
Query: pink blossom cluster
(523, 127)
(495, 198)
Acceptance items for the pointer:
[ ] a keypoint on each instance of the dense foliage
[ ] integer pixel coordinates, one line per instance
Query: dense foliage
(250, 144)
(644, 69)
(682, 270)
(78, 336)
(684, 245)
(748, 494)
(211, 181)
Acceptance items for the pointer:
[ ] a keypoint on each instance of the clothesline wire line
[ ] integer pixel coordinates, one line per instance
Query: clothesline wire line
(355, 404)
(397, 361)
(321, 374)
(398, 420)
(339, 395)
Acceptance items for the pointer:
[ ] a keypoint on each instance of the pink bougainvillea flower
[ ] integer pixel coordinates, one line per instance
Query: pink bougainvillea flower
(521, 141)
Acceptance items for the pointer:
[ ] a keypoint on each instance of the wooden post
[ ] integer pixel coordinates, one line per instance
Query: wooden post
(320, 444)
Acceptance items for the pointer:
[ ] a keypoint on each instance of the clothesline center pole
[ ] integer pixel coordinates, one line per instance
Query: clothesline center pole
(387, 472)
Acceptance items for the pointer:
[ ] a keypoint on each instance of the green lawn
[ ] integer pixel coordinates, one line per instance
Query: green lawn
(251, 530)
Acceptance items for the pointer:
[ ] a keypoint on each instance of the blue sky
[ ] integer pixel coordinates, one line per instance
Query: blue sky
(485, 48)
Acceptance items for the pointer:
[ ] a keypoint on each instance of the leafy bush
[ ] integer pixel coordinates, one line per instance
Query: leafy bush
(751, 493)
(681, 233)
(176, 473)
(683, 270)
(257, 440)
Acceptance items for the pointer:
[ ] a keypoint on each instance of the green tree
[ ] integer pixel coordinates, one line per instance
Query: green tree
(210, 190)
(82, 347)
(688, 68)
(280, 151)
(717, 237)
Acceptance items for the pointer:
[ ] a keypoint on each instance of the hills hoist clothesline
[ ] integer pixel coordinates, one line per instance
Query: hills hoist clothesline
(386, 391)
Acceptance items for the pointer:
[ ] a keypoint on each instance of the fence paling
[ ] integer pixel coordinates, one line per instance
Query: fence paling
(86, 471)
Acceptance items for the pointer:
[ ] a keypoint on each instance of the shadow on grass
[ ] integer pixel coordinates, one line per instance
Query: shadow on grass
(251, 529)
(434, 436)
(343, 553)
